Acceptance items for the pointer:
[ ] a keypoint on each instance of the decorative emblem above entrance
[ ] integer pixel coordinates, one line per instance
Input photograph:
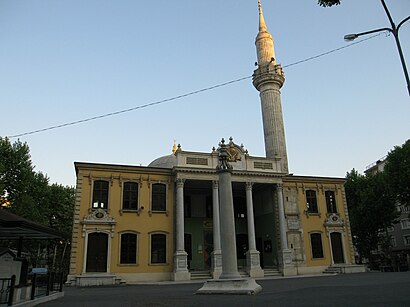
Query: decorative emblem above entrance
(98, 216)
(333, 219)
(235, 152)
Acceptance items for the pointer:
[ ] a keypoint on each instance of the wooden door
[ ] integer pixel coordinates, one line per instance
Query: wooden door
(97, 248)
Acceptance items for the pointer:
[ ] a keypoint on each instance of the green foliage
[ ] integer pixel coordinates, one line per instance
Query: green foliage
(16, 169)
(397, 170)
(371, 209)
(31, 196)
(325, 3)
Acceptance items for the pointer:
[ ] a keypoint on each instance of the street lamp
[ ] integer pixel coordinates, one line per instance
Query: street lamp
(395, 31)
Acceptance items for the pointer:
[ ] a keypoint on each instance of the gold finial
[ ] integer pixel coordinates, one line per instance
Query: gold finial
(174, 148)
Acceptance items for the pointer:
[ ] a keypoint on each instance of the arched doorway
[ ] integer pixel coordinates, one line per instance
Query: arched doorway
(97, 248)
(337, 247)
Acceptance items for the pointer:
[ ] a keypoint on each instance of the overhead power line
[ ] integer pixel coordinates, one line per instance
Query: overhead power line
(183, 95)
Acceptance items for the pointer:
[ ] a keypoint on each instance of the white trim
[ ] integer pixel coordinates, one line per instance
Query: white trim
(108, 233)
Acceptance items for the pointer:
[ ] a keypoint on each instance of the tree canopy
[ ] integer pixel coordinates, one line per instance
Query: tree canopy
(397, 170)
(29, 194)
(372, 209)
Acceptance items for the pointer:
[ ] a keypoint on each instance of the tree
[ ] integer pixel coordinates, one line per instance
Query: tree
(29, 194)
(16, 170)
(371, 210)
(328, 2)
(397, 170)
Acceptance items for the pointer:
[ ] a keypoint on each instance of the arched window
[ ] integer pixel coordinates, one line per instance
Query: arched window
(130, 196)
(100, 194)
(128, 253)
(330, 202)
(159, 197)
(158, 248)
(311, 201)
(316, 244)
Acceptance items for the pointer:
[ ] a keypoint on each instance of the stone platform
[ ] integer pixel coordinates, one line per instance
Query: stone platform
(230, 286)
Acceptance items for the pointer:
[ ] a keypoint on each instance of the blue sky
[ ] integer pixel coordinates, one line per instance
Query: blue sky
(63, 61)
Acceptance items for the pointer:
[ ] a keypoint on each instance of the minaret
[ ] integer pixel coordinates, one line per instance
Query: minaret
(268, 78)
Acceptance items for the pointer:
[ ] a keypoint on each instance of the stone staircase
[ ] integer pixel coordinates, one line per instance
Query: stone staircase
(200, 275)
(332, 270)
(271, 272)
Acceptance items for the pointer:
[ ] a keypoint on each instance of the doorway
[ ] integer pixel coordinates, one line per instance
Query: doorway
(337, 247)
(97, 248)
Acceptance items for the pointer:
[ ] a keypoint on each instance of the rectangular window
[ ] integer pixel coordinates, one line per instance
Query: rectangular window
(330, 202)
(130, 196)
(316, 243)
(311, 201)
(406, 240)
(100, 194)
(405, 224)
(128, 248)
(159, 193)
(158, 248)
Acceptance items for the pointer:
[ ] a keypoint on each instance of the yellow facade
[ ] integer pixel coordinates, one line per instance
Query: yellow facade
(142, 222)
(321, 222)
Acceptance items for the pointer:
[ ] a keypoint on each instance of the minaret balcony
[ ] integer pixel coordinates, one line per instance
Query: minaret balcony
(268, 74)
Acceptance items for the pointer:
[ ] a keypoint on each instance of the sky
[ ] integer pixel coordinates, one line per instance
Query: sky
(63, 61)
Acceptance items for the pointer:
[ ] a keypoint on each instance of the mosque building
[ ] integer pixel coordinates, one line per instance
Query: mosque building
(162, 221)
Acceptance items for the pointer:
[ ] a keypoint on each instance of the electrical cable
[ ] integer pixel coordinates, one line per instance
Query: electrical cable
(182, 95)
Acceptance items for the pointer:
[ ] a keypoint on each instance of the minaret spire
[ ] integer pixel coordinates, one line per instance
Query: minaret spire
(262, 25)
(268, 78)
(264, 41)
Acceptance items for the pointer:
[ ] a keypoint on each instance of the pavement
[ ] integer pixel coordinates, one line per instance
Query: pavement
(361, 289)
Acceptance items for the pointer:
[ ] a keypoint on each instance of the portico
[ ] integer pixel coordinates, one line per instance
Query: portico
(256, 213)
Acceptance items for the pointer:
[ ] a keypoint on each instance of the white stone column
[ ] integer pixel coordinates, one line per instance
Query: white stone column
(180, 256)
(285, 254)
(250, 218)
(252, 255)
(217, 253)
(228, 239)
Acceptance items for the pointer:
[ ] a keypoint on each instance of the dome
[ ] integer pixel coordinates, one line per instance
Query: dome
(164, 162)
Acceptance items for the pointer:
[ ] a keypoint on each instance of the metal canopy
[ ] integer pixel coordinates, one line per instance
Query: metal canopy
(15, 227)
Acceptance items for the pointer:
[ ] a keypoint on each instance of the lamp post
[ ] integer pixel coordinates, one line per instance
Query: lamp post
(395, 31)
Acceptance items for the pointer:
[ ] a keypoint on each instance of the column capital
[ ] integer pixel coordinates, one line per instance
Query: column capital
(248, 185)
(215, 184)
(180, 182)
(279, 186)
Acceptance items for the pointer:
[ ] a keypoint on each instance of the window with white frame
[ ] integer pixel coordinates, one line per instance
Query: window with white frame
(159, 197)
(128, 252)
(130, 196)
(405, 224)
(311, 201)
(330, 201)
(100, 194)
(316, 245)
(404, 208)
(158, 248)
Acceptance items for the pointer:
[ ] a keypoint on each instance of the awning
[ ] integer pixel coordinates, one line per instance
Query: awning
(14, 227)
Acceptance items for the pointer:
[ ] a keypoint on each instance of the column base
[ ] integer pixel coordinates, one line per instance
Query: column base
(253, 267)
(216, 261)
(181, 266)
(287, 266)
(230, 286)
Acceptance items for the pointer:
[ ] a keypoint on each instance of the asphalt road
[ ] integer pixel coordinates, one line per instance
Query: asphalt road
(364, 289)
